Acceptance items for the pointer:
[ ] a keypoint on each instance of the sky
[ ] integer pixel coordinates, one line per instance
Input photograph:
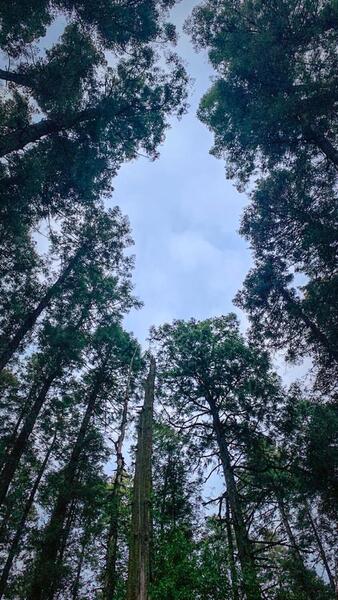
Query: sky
(184, 215)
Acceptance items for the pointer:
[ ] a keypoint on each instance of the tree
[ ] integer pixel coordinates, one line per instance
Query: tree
(110, 351)
(101, 283)
(222, 385)
(141, 527)
(275, 95)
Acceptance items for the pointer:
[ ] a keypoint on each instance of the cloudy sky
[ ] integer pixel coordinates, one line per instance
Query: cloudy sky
(184, 214)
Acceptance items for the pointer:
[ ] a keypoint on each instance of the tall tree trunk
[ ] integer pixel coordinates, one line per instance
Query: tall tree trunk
(29, 321)
(301, 570)
(19, 446)
(110, 578)
(140, 539)
(232, 562)
(248, 567)
(320, 548)
(20, 529)
(47, 575)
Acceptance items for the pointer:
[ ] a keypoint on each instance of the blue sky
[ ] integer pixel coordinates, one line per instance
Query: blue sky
(184, 214)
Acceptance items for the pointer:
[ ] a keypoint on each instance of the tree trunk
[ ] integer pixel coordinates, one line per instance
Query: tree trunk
(30, 319)
(76, 586)
(20, 444)
(140, 539)
(323, 144)
(301, 571)
(248, 567)
(321, 549)
(316, 332)
(232, 562)
(47, 572)
(15, 77)
(17, 140)
(110, 579)
(20, 529)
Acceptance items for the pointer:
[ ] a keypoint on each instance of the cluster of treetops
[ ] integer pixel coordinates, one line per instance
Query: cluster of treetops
(84, 514)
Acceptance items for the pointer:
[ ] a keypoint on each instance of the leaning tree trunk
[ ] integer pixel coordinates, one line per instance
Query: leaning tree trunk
(246, 559)
(20, 529)
(320, 547)
(301, 569)
(110, 578)
(29, 321)
(140, 539)
(20, 444)
(46, 576)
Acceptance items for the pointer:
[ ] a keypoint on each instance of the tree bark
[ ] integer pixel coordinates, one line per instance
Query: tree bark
(20, 444)
(47, 576)
(110, 578)
(140, 542)
(20, 529)
(248, 567)
(30, 319)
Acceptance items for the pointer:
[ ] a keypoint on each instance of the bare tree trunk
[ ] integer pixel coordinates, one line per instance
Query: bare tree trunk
(110, 579)
(140, 539)
(232, 562)
(246, 559)
(20, 529)
(29, 321)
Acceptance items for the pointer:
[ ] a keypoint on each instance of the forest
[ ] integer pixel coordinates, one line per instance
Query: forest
(108, 446)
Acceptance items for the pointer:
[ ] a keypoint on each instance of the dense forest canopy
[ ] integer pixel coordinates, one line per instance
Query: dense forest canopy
(107, 450)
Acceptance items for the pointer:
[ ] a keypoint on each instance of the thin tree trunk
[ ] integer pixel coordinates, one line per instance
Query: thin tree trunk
(47, 573)
(76, 586)
(139, 551)
(301, 571)
(248, 567)
(321, 549)
(110, 578)
(232, 562)
(20, 529)
(30, 319)
(20, 444)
